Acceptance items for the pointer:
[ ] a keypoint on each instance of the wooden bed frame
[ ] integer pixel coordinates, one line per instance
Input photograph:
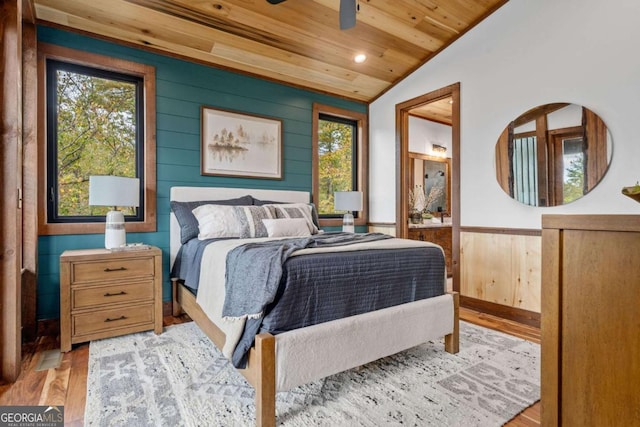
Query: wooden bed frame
(261, 367)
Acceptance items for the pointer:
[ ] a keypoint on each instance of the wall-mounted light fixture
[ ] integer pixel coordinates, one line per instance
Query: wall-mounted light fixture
(438, 148)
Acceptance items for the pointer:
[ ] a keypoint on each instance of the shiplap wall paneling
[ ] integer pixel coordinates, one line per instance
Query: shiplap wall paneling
(181, 89)
(501, 268)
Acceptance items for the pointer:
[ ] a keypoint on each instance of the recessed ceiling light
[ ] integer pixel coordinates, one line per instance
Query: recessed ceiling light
(360, 58)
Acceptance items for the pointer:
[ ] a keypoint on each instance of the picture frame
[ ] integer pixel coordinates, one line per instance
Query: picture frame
(240, 144)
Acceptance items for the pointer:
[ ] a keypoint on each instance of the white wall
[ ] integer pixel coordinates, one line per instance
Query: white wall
(528, 53)
(424, 133)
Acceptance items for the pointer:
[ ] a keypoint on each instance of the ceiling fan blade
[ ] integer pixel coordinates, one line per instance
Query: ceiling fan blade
(347, 14)
(275, 1)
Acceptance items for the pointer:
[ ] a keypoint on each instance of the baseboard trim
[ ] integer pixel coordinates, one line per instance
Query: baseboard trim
(167, 308)
(48, 328)
(519, 315)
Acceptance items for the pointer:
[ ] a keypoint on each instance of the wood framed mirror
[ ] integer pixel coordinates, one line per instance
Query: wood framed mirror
(553, 154)
(434, 175)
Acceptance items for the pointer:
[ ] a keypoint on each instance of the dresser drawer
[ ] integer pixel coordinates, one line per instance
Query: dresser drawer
(111, 269)
(91, 296)
(109, 320)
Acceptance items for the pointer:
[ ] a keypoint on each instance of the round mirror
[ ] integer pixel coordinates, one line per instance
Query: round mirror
(553, 154)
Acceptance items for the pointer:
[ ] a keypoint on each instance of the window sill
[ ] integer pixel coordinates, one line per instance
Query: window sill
(94, 228)
(337, 222)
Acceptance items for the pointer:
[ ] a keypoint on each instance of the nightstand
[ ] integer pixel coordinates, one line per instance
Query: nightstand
(107, 293)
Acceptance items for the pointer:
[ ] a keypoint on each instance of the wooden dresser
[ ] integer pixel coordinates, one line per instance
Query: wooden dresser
(438, 234)
(107, 293)
(590, 320)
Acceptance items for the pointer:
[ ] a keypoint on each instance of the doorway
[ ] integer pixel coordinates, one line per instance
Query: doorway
(404, 110)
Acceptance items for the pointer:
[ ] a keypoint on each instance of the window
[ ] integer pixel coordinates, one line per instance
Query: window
(337, 152)
(573, 163)
(525, 170)
(93, 128)
(339, 144)
(569, 155)
(100, 120)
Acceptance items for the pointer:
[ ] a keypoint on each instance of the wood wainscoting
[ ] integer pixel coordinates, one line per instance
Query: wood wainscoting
(500, 272)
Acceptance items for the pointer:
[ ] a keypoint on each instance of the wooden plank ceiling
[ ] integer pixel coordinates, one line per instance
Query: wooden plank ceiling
(439, 111)
(297, 42)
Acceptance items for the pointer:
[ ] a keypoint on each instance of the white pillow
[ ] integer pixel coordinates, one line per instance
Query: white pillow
(217, 221)
(287, 227)
(296, 210)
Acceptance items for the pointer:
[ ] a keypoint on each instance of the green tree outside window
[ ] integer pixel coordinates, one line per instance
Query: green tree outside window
(336, 142)
(96, 134)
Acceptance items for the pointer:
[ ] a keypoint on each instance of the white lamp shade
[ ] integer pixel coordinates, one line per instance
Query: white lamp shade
(347, 201)
(114, 191)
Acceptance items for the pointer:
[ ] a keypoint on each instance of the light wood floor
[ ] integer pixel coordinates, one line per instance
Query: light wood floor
(67, 384)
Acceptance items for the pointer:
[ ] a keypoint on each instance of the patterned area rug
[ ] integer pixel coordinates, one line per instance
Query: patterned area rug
(180, 378)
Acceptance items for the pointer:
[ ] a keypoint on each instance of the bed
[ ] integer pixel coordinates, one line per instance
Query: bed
(295, 357)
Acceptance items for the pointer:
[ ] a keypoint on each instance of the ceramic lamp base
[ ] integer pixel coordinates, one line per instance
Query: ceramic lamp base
(348, 224)
(115, 234)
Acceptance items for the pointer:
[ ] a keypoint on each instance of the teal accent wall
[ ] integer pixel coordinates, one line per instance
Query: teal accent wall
(182, 88)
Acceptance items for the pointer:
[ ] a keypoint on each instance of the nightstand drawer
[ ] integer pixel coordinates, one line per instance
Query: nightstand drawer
(112, 269)
(108, 320)
(91, 296)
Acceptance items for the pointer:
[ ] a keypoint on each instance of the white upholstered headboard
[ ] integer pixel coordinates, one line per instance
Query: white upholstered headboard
(190, 194)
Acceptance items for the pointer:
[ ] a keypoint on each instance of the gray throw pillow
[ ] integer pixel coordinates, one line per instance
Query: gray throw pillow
(314, 211)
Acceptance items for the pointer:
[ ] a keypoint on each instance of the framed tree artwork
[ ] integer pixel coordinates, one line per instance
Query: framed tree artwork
(240, 144)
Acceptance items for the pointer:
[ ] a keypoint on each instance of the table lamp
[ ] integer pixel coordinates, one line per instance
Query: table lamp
(114, 191)
(350, 201)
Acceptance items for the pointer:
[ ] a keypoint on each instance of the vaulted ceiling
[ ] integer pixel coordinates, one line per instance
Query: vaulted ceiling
(297, 42)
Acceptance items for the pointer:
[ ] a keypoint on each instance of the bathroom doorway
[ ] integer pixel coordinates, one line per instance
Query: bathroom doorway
(444, 105)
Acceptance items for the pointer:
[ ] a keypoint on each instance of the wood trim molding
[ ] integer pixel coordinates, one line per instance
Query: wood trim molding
(592, 222)
(147, 72)
(487, 230)
(10, 192)
(509, 231)
(29, 170)
(519, 315)
(363, 158)
(381, 224)
(403, 170)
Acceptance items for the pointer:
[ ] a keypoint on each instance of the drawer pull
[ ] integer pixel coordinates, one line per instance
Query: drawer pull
(109, 294)
(113, 320)
(107, 270)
